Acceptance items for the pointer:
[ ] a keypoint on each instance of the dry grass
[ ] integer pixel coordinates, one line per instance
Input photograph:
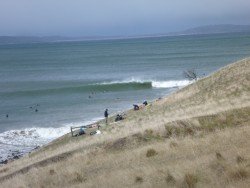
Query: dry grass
(170, 179)
(151, 153)
(239, 174)
(240, 159)
(196, 137)
(190, 181)
(138, 179)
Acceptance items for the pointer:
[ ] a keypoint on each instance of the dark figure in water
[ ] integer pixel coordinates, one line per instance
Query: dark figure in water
(136, 107)
(106, 115)
(145, 103)
(36, 110)
(7, 115)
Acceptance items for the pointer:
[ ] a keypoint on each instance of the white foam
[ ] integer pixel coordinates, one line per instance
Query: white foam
(126, 81)
(27, 139)
(154, 83)
(170, 84)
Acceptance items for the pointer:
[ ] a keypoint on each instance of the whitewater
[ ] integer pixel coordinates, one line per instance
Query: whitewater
(20, 142)
(153, 83)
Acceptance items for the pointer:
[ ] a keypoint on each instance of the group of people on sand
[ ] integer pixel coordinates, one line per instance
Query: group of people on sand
(136, 106)
(118, 117)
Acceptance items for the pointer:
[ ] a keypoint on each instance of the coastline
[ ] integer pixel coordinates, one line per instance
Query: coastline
(67, 137)
(96, 121)
(18, 154)
(195, 133)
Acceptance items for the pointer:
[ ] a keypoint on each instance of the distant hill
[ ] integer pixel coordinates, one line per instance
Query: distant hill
(213, 29)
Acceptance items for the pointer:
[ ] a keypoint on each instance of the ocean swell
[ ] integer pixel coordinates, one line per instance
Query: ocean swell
(123, 85)
(149, 83)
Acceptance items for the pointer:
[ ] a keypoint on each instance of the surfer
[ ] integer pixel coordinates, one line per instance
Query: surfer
(7, 115)
(106, 115)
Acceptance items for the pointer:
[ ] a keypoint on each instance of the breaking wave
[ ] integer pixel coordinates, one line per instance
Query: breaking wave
(149, 83)
(123, 85)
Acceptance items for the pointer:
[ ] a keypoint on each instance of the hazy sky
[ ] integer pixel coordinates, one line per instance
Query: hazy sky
(116, 17)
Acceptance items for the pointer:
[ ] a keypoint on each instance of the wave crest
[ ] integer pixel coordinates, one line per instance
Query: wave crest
(123, 85)
(170, 84)
(154, 84)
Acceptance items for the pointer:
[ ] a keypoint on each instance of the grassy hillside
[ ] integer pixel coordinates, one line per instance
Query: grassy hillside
(196, 137)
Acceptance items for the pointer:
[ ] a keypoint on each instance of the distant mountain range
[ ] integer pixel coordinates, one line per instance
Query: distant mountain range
(208, 29)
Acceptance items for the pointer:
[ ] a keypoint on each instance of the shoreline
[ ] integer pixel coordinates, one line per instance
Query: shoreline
(101, 121)
(97, 120)
(18, 154)
(197, 133)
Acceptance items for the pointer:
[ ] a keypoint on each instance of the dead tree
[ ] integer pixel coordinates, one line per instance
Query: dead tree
(190, 74)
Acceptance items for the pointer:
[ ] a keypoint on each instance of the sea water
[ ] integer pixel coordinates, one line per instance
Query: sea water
(47, 87)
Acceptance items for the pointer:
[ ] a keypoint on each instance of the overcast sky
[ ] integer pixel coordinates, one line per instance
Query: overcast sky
(116, 17)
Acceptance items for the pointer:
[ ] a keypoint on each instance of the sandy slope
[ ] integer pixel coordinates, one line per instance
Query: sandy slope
(197, 137)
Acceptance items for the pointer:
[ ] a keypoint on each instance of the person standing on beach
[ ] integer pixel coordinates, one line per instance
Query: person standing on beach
(106, 115)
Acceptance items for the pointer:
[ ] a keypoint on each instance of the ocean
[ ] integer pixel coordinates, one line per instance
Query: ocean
(47, 87)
